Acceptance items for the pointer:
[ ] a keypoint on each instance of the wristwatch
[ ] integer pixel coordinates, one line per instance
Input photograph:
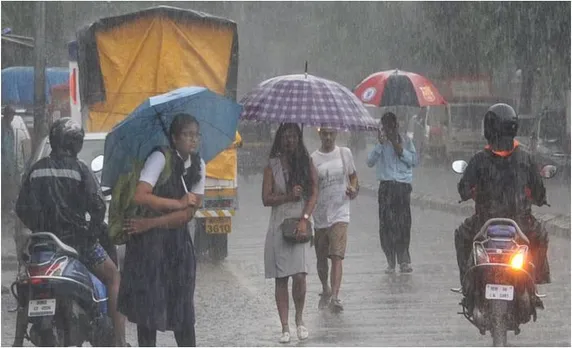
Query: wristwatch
(306, 217)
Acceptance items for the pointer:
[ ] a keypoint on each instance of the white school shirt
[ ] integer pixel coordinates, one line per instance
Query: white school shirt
(154, 166)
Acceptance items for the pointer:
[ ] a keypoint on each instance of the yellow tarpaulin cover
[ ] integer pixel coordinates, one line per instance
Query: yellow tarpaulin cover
(224, 165)
(154, 55)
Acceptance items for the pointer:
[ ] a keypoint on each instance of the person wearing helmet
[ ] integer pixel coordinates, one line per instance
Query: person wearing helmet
(61, 195)
(504, 182)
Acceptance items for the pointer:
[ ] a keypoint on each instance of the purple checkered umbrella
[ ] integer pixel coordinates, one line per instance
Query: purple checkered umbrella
(308, 100)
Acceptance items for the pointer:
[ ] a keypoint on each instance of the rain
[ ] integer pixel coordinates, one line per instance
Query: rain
(285, 89)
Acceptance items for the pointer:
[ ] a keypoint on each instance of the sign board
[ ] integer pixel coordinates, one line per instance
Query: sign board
(470, 87)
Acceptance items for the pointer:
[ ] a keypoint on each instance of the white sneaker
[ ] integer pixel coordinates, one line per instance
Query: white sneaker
(285, 338)
(302, 332)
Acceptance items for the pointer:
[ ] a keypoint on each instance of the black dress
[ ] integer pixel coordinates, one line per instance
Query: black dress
(158, 278)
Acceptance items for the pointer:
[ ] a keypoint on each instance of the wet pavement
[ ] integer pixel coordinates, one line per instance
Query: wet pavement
(235, 304)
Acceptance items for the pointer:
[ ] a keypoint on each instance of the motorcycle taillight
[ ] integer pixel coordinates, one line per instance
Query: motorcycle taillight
(34, 271)
(54, 268)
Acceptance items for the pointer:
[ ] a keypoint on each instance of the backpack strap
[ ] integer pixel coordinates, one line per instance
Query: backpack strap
(167, 170)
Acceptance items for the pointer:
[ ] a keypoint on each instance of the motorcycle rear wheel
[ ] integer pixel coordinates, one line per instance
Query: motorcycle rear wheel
(498, 321)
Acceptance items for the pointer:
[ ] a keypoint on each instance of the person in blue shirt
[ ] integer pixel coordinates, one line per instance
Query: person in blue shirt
(394, 158)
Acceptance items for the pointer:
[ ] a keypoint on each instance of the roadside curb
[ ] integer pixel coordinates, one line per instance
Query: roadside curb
(556, 225)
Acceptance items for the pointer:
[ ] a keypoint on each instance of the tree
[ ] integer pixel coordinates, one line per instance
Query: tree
(471, 38)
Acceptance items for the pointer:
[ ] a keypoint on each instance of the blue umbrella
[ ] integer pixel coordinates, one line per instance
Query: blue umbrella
(147, 127)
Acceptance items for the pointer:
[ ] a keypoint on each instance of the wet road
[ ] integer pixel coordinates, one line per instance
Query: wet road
(235, 304)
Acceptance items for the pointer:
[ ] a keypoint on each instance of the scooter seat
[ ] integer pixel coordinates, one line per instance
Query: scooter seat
(501, 231)
(50, 237)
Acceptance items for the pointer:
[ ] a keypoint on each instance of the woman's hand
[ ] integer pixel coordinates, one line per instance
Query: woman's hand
(189, 200)
(136, 226)
(301, 229)
(296, 194)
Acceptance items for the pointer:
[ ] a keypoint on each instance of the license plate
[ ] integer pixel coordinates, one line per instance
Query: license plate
(499, 292)
(220, 225)
(41, 308)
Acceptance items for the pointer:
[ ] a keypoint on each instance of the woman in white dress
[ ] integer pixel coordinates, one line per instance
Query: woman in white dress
(290, 188)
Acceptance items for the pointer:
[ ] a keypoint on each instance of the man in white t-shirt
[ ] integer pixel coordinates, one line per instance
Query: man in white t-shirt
(338, 184)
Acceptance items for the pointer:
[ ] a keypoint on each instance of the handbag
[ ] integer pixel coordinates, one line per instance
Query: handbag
(288, 227)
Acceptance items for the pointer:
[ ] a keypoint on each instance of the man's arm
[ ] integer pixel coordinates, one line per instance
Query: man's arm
(353, 177)
(94, 196)
(535, 184)
(408, 153)
(374, 155)
(468, 183)
(28, 207)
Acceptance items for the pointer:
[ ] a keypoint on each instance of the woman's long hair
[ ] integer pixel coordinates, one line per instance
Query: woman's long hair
(193, 174)
(299, 162)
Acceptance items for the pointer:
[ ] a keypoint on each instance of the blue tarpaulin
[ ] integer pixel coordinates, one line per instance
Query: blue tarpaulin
(18, 84)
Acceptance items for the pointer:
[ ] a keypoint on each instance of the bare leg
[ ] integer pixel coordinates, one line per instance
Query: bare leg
(322, 266)
(336, 277)
(299, 295)
(108, 273)
(281, 294)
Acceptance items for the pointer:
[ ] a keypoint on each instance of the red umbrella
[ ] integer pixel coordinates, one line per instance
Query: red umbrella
(396, 87)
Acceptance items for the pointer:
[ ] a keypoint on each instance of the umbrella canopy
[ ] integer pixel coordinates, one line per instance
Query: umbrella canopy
(148, 125)
(398, 88)
(308, 100)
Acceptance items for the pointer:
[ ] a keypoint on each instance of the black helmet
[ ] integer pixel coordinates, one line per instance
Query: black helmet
(500, 126)
(66, 137)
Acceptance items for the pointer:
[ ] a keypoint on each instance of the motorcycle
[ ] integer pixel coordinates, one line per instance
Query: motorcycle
(499, 287)
(65, 304)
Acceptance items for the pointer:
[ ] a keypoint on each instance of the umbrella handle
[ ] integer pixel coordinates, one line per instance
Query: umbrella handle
(184, 185)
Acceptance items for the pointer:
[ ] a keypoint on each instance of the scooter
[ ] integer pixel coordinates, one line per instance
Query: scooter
(499, 287)
(59, 298)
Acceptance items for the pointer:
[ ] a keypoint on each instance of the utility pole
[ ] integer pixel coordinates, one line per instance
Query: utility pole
(40, 124)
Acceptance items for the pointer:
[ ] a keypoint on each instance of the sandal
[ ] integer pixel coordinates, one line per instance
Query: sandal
(324, 300)
(302, 332)
(285, 338)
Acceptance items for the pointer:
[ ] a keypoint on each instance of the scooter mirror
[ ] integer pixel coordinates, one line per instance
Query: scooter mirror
(97, 164)
(548, 171)
(459, 166)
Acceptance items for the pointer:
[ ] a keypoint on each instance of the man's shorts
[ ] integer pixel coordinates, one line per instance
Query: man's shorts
(93, 256)
(331, 241)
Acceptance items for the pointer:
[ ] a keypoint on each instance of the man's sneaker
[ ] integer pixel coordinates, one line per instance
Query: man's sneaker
(336, 305)
(405, 268)
(390, 270)
(324, 300)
